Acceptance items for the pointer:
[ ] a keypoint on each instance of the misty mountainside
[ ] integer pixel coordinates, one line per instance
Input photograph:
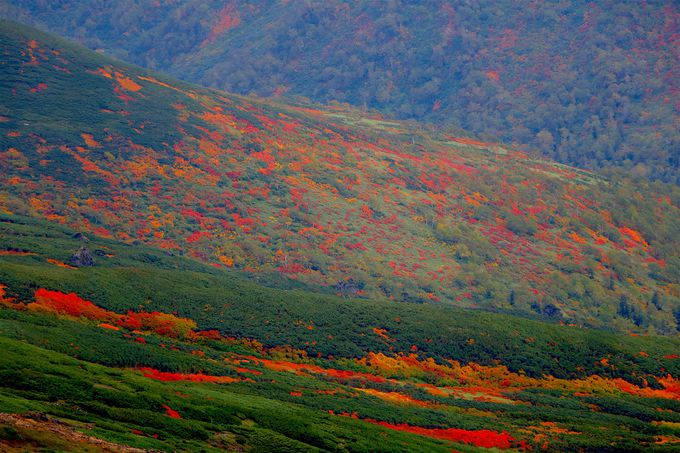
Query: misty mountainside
(593, 85)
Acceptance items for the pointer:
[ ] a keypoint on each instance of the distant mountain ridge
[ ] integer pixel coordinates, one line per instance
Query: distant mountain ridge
(332, 197)
(592, 84)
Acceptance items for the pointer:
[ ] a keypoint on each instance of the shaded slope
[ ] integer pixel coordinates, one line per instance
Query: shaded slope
(334, 198)
(595, 85)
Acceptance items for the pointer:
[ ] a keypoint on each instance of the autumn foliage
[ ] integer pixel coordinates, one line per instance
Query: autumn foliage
(68, 304)
(480, 438)
(193, 377)
(334, 197)
(164, 324)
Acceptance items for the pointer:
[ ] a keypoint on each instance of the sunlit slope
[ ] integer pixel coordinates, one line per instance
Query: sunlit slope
(334, 198)
(154, 351)
(34, 254)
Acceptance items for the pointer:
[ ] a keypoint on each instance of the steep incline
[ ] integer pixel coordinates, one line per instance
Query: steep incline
(330, 197)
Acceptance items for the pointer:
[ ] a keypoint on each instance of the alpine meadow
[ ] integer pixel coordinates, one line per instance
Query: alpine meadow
(384, 264)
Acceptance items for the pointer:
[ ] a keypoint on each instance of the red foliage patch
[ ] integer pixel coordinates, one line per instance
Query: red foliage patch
(228, 19)
(68, 304)
(170, 412)
(195, 377)
(480, 438)
(39, 88)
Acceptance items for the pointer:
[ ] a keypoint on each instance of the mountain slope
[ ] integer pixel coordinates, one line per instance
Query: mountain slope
(331, 197)
(93, 356)
(113, 340)
(595, 85)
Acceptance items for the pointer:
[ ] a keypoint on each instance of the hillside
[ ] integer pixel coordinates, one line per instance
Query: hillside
(183, 269)
(589, 84)
(146, 350)
(361, 206)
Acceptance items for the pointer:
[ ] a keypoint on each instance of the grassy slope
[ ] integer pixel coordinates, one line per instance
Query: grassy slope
(280, 410)
(335, 199)
(111, 403)
(137, 277)
(79, 374)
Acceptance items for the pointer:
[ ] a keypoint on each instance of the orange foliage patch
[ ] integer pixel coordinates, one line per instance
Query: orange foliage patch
(576, 238)
(103, 72)
(123, 81)
(59, 303)
(91, 166)
(433, 389)
(228, 19)
(246, 370)
(395, 397)
(3, 294)
(90, 141)
(16, 253)
(635, 236)
(496, 383)
(127, 82)
(164, 324)
(157, 82)
(219, 119)
(227, 261)
(382, 333)
(493, 75)
(671, 388)
(60, 264)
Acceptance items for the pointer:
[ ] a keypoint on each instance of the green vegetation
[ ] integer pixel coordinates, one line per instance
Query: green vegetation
(185, 270)
(336, 200)
(126, 408)
(79, 375)
(589, 84)
(140, 278)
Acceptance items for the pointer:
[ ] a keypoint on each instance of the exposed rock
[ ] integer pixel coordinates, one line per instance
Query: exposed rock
(348, 288)
(50, 426)
(82, 237)
(82, 258)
